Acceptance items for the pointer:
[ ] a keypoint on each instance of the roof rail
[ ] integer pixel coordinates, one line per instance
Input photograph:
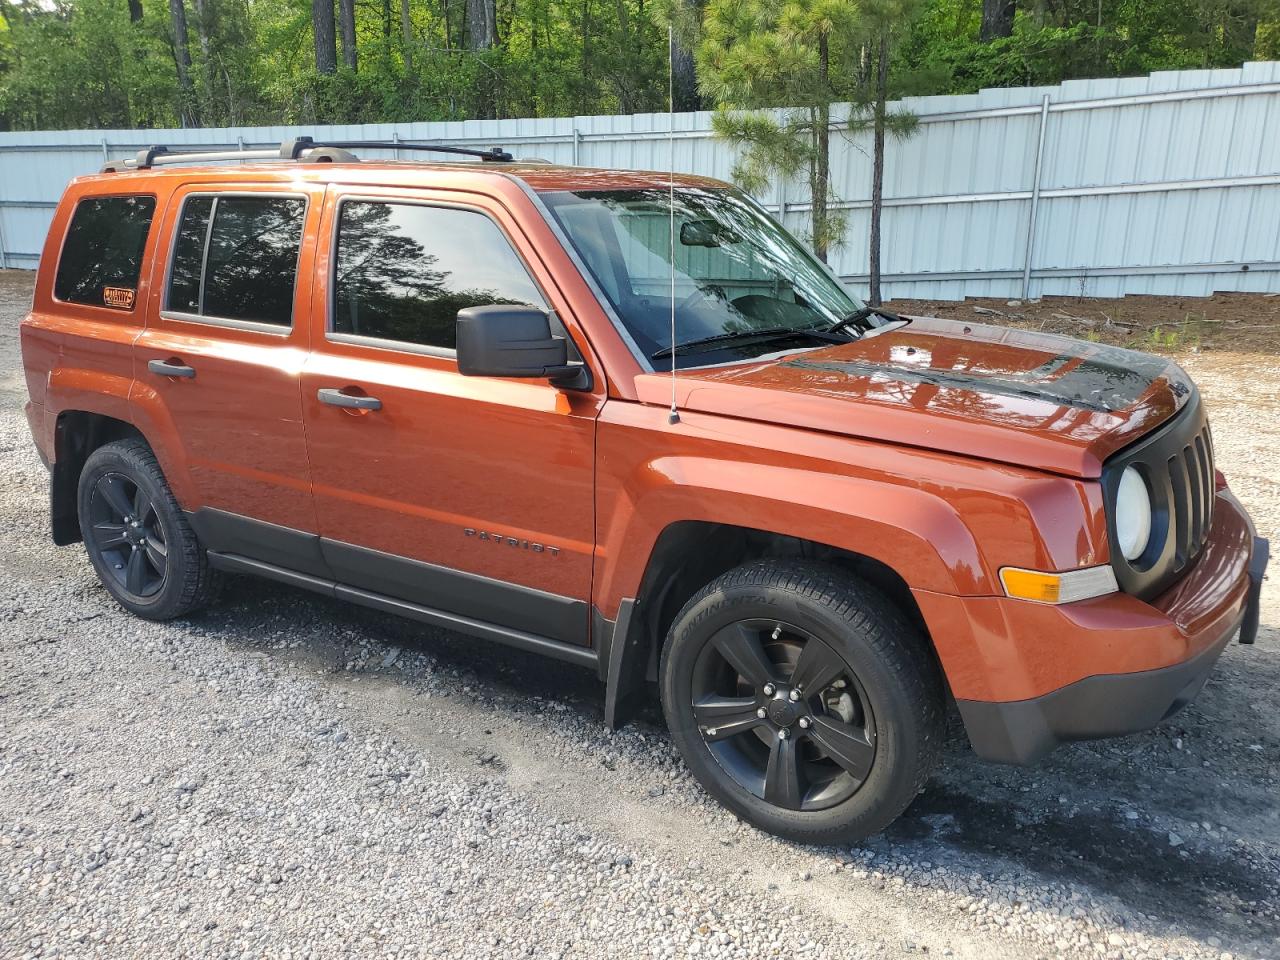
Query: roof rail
(298, 150)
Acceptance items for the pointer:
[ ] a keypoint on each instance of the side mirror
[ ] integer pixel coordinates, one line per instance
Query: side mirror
(514, 340)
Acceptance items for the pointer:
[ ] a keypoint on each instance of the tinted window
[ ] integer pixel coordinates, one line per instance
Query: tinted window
(188, 255)
(404, 271)
(102, 255)
(251, 264)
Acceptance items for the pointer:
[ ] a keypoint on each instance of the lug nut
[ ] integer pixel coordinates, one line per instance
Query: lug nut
(769, 689)
(794, 695)
(761, 713)
(784, 733)
(804, 723)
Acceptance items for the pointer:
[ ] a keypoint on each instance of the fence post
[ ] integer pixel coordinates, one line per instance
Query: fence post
(106, 154)
(1035, 200)
(4, 256)
(577, 140)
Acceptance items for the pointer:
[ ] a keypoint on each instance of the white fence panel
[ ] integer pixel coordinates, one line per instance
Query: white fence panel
(1167, 184)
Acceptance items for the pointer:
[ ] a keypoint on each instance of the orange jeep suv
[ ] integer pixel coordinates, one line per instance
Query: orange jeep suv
(625, 420)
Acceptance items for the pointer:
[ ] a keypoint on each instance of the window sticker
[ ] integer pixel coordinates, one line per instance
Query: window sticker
(119, 297)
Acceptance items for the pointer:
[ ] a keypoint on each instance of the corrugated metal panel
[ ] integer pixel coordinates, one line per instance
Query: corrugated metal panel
(1162, 184)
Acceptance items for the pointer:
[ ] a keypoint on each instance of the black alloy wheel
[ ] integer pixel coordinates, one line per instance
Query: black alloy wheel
(138, 539)
(784, 715)
(128, 536)
(803, 698)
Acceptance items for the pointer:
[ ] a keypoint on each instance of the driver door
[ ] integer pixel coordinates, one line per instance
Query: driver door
(468, 495)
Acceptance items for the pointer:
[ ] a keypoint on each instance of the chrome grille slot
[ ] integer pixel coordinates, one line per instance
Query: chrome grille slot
(1179, 513)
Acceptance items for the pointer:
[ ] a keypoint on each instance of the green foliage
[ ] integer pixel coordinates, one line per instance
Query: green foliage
(89, 63)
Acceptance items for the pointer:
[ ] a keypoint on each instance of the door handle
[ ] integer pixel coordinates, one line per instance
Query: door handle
(336, 398)
(170, 368)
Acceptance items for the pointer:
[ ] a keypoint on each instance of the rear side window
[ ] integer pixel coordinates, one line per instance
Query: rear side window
(102, 254)
(403, 271)
(236, 258)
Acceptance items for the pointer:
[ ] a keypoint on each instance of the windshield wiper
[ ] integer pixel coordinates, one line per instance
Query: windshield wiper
(862, 313)
(762, 336)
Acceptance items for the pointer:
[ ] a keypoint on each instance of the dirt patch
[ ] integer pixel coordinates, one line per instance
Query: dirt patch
(1237, 322)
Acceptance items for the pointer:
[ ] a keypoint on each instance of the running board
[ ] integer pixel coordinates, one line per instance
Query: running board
(234, 563)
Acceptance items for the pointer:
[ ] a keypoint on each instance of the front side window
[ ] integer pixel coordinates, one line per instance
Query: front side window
(403, 271)
(736, 272)
(244, 266)
(102, 254)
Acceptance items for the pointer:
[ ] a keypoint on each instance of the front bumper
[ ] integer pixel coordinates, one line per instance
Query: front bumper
(1029, 677)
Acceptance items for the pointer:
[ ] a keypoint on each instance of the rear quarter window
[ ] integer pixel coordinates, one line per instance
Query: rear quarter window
(102, 253)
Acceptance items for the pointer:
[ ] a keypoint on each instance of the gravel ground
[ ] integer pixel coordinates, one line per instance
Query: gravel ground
(286, 776)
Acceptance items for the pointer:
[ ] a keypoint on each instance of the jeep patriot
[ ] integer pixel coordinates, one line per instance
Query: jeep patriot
(625, 420)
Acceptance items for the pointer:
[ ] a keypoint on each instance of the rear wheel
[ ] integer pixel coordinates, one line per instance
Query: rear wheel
(803, 700)
(137, 538)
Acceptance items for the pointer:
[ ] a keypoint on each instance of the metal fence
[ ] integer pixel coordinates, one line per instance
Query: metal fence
(1167, 184)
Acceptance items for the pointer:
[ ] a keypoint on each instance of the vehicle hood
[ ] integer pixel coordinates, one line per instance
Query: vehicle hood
(1013, 396)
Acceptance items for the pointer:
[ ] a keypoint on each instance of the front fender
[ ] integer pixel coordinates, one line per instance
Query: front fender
(943, 523)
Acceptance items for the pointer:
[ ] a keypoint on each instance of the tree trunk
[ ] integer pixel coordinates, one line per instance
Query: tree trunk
(482, 24)
(997, 19)
(326, 43)
(347, 27)
(135, 11)
(820, 172)
(877, 166)
(684, 76)
(204, 15)
(406, 33)
(182, 60)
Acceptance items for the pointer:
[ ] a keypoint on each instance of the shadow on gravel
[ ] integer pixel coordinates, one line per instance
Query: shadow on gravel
(1198, 890)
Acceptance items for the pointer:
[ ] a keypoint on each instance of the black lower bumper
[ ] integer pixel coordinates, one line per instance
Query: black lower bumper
(1108, 705)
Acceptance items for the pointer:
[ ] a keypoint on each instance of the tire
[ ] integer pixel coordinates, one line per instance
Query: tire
(137, 538)
(862, 733)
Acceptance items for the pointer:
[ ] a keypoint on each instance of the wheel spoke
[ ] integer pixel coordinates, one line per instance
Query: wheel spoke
(135, 574)
(741, 646)
(847, 745)
(817, 668)
(112, 490)
(108, 536)
(141, 505)
(157, 554)
(726, 716)
(782, 777)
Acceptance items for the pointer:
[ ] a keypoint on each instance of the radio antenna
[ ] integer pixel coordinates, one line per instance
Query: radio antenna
(674, 415)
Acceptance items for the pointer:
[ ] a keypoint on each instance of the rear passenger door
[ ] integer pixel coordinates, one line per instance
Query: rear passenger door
(463, 494)
(219, 361)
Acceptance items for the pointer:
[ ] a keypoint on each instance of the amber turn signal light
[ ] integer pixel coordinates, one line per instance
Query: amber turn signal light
(1041, 587)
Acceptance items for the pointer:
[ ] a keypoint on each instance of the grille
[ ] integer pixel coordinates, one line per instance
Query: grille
(1177, 463)
(1191, 488)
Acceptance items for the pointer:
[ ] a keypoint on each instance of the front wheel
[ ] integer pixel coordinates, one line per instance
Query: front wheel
(803, 700)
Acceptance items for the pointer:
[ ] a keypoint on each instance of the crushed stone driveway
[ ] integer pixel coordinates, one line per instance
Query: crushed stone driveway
(285, 776)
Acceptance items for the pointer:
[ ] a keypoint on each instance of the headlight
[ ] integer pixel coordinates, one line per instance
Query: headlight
(1133, 514)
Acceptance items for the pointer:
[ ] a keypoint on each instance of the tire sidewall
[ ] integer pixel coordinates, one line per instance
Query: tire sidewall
(891, 783)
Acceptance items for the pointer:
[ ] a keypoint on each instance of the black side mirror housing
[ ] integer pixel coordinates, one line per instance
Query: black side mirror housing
(515, 340)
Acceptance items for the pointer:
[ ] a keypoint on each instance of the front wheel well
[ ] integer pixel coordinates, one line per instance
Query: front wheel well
(690, 554)
(77, 434)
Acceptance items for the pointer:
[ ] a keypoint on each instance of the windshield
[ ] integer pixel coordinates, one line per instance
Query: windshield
(737, 273)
